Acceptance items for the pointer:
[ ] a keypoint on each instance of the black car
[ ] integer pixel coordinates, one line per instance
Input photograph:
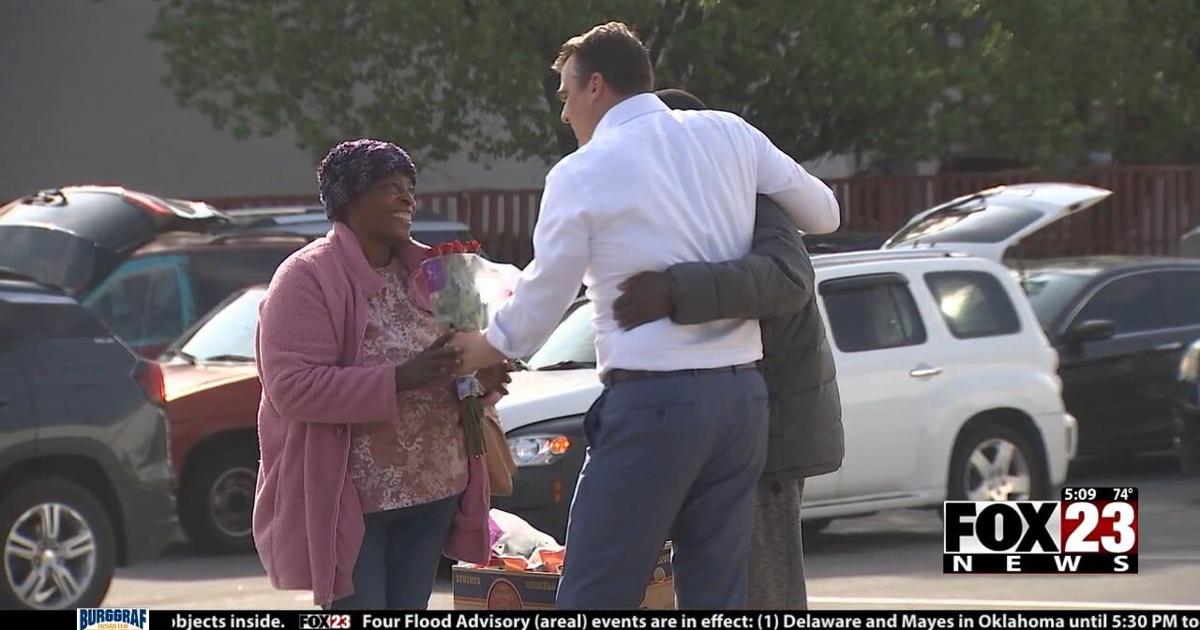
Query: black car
(85, 476)
(1120, 325)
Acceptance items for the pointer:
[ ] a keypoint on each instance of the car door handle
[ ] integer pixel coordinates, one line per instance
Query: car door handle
(924, 371)
(1169, 347)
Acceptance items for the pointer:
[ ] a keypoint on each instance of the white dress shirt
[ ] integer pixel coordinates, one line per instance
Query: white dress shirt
(652, 188)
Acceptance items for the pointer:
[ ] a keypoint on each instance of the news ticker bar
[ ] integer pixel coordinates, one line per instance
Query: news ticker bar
(636, 620)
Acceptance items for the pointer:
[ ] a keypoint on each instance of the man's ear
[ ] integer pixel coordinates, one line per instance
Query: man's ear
(595, 84)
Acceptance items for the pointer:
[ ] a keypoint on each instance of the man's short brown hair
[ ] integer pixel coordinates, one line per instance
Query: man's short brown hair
(614, 51)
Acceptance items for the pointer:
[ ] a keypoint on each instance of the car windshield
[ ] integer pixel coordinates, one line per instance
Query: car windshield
(572, 345)
(1051, 292)
(229, 334)
(991, 223)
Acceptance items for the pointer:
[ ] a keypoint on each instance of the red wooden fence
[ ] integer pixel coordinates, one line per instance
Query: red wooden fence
(1151, 207)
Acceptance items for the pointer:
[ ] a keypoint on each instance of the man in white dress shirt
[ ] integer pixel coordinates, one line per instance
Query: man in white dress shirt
(677, 441)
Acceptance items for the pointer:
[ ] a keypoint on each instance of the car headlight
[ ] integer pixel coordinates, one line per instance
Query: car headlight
(538, 450)
(1189, 366)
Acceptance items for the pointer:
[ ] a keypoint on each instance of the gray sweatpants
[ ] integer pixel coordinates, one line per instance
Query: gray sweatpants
(777, 551)
(676, 457)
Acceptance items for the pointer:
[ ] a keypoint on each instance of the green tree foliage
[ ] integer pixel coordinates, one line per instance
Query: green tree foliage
(1050, 82)
(1036, 81)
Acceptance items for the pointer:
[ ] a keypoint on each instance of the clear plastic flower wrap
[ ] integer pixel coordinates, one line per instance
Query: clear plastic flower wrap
(461, 289)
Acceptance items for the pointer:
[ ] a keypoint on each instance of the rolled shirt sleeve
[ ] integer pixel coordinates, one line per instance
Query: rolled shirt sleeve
(806, 199)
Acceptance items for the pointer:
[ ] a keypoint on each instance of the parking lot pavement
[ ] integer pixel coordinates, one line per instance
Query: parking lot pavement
(890, 560)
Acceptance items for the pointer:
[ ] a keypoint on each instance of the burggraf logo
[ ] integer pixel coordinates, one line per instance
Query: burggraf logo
(112, 618)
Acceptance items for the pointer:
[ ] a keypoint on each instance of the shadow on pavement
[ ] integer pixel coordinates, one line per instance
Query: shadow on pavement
(1144, 466)
(180, 563)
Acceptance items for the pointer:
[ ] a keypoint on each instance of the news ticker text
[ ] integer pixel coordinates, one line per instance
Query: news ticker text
(635, 620)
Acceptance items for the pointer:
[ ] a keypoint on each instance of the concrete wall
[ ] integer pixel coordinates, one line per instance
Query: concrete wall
(82, 101)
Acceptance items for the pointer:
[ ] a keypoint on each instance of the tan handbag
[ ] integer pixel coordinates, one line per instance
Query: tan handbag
(500, 464)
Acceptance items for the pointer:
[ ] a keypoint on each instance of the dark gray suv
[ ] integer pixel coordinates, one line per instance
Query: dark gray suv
(85, 477)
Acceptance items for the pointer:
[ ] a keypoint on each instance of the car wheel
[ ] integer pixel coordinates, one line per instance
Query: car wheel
(59, 550)
(994, 462)
(216, 501)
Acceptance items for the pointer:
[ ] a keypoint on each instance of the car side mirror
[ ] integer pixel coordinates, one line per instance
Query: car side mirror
(1090, 330)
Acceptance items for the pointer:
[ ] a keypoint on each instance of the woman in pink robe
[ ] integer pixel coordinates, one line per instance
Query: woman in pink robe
(363, 455)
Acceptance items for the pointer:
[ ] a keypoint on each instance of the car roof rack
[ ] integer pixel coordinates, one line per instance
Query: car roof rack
(882, 255)
(255, 234)
(274, 211)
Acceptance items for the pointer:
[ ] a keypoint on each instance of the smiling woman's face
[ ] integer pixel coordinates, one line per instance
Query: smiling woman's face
(384, 211)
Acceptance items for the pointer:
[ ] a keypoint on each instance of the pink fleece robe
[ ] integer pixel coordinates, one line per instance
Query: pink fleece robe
(308, 523)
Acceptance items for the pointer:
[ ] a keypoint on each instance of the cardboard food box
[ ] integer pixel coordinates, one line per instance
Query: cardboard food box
(497, 589)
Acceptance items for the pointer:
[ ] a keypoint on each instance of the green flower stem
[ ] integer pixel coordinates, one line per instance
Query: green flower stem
(473, 424)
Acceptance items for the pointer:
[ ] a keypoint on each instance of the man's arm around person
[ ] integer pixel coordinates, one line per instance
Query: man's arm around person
(775, 283)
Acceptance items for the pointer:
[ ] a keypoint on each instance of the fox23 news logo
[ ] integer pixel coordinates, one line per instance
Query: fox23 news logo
(324, 621)
(1090, 530)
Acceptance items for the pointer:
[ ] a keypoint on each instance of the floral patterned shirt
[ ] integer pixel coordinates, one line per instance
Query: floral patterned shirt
(421, 456)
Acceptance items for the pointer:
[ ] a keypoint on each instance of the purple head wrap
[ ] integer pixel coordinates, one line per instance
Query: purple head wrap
(352, 166)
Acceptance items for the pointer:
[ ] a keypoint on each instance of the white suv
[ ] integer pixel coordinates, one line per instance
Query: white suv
(949, 386)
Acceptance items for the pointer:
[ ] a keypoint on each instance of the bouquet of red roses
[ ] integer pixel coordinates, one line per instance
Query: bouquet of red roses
(460, 287)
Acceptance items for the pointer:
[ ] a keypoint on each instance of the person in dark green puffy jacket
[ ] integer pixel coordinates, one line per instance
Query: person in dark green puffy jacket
(775, 284)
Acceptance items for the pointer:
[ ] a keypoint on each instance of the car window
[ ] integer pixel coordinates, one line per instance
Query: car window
(872, 315)
(219, 273)
(573, 342)
(163, 321)
(229, 332)
(141, 303)
(28, 316)
(1133, 303)
(973, 304)
(1051, 293)
(120, 305)
(1182, 290)
(972, 223)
